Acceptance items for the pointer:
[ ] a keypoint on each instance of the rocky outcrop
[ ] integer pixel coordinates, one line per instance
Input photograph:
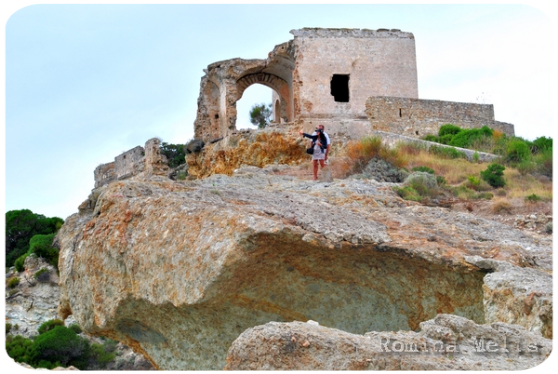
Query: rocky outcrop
(446, 342)
(178, 270)
(33, 301)
(274, 144)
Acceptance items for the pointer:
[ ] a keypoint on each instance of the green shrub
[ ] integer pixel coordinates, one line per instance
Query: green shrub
(5, 328)
(425, 169)
(494, 175)
(42, 275)
(408, 193)
(41, 245)
(59, 346)
(476, 157)
(473, 182)
(75, 328)
(21, 226)
(175, 154)
(449, 129)
(517, 151)
(484, 195)
(541, 144)
(181, 176)
(20, 262)
(466, 138)
(445, 139)
(100, 356)
(533, 198)
(548, 228)
(446, 152)
(49, 325)
(18, 347)
(441, 180)
(13, 282)
(431, 138)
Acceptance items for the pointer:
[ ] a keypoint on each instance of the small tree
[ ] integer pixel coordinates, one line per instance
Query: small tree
(494, 175)
(260, 115)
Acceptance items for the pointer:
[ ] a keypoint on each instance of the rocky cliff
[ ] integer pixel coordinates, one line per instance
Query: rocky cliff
(179, 269)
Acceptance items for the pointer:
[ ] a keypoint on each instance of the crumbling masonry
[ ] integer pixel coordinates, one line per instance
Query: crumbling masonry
(353, 81)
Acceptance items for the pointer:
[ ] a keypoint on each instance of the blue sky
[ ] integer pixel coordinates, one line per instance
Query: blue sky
(86, 82)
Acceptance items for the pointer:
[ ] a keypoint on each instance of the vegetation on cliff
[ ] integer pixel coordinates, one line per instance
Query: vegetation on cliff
(21, 226)
(57, 345)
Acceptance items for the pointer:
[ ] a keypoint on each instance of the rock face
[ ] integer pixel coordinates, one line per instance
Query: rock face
(33, 301)
(446, 342)
(178, 270)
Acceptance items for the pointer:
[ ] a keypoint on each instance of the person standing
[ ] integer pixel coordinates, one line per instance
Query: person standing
(321, 127)
(319, 143)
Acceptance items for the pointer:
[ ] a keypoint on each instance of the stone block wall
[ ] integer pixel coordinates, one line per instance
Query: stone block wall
(417, 117)
(125, 162)
(375, 62)
(104, 174)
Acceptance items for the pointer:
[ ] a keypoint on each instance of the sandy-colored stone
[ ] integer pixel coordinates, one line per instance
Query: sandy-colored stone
(446, 342)
(178, 270)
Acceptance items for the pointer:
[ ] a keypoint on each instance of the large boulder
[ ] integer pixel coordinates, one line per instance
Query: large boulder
(178, 270)
(447, 342)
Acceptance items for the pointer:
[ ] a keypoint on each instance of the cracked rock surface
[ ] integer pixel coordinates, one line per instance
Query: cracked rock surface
(178, 270)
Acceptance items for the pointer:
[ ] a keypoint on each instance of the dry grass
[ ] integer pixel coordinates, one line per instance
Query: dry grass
(455, 171)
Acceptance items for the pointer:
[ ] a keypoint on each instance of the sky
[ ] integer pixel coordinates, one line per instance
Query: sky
(85, 83)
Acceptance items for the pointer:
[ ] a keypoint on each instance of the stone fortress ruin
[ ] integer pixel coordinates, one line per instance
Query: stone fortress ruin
(355, 82)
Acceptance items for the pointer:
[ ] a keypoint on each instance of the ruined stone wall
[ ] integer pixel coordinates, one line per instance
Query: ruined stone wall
(377, 63)
(104, 174)
(417, 118)
(125, 163)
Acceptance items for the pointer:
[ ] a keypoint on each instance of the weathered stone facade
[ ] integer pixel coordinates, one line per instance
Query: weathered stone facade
(325, 77)
(417, 118)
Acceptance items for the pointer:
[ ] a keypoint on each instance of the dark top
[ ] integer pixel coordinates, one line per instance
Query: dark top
(323, 139)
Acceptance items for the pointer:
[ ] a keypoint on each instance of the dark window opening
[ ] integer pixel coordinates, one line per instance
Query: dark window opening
(400, 113)
(416, 132)
(216, 116)
(340, 88)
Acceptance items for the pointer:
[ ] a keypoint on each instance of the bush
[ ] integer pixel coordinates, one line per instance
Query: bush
(473, 182)
(431, 138)
(494, 175)
(41, 245)
(21, 226)
(175, 153)
(541, 144)
(13, 282)
(441, 180)
(501, 206)
(75, 328)
(408, 193)
(543, 162)
(5, 328)
(100, 356)
(446, 152)
(18, 347)
(20, 262)
(449, 129)
(517, 151)
(548, 228)
(533, 198)
(59, 346)
(425, 169)
(42, 275)
(466, 138)
(49, 325)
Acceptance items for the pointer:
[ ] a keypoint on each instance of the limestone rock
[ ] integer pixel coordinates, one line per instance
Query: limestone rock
(446, 342)
(178, 270)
